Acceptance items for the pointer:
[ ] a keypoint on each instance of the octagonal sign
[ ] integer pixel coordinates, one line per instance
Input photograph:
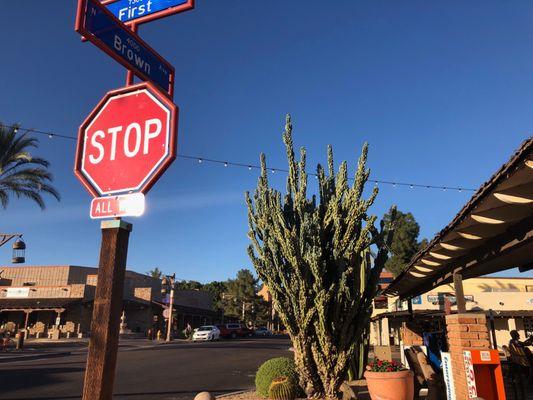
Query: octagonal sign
(127, 141)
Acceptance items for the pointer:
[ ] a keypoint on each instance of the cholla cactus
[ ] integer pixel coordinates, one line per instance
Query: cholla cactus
(282, 388)
(314, 256)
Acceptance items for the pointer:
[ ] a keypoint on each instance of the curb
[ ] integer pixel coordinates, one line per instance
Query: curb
(30, 357)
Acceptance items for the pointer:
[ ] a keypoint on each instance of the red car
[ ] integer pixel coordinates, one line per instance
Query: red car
(234, 331)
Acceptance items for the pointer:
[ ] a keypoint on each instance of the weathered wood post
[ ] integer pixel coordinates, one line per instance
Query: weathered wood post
(459, 293)
(105, 325)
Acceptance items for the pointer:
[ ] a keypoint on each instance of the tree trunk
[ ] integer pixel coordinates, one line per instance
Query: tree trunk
(306, 366)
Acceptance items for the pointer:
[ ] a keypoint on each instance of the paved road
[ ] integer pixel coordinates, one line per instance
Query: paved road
(173, 371)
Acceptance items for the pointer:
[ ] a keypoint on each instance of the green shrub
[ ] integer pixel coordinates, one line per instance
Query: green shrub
(272, 369)
(282, 389)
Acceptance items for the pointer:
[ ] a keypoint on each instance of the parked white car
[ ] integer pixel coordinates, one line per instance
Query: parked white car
(207, 332)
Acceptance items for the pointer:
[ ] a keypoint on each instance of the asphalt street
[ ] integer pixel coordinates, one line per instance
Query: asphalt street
(169, 371)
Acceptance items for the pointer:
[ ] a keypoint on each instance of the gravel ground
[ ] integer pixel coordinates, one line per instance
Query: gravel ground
(358, 386)
(250, 395)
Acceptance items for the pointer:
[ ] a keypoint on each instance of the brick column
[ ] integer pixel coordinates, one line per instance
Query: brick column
(465, 332)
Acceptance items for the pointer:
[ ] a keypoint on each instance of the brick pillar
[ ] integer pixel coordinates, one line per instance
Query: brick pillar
(465, 332)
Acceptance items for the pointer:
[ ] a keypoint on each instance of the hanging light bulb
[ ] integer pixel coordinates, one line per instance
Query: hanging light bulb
(200, 161)
(249, 167)
(50, 135)
(225, 163)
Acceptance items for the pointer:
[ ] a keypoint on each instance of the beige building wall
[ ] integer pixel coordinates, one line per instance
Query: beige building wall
(485, 293)
(72, 289)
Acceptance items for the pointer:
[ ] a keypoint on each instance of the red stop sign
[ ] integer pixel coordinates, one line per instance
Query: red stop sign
(127, 141)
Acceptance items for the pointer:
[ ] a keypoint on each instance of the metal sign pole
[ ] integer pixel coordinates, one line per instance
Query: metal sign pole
(105, 325)
(170, 309)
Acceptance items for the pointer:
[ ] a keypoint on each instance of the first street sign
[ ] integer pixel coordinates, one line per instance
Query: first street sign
(127, 141)
(140, 11)
(98, 25)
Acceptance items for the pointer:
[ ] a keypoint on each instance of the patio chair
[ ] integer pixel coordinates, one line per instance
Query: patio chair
(425, 375)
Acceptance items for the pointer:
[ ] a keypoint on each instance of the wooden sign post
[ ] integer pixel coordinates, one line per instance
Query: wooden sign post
(118, 179)
(105, 325)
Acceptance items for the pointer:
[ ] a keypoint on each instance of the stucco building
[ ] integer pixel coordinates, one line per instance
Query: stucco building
(507, 303)
(58, 300)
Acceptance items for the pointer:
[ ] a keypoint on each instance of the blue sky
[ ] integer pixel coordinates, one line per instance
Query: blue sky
(442, 91)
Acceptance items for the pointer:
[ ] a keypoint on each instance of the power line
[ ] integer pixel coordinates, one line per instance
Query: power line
(225, 163)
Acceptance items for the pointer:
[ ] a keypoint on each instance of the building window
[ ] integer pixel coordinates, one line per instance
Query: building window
(29, 284)
(380, 303)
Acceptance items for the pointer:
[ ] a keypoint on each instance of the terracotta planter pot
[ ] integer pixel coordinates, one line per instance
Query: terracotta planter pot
(390, 385)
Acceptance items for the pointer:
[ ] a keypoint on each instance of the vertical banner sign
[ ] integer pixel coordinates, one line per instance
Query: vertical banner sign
(140, 11)
(470, 377)
(98, 25)
(448, 375)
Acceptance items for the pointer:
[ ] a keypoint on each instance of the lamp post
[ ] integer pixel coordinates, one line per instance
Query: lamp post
(19, 247)
(168, 282)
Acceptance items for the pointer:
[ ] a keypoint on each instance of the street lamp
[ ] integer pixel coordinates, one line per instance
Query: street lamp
(245, 304)
(19, 251)
(19, 247)
(167, 283)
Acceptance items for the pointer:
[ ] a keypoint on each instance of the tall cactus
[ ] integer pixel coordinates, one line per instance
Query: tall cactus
(313, 255)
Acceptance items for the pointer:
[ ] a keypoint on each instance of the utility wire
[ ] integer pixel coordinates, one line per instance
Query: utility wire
(200, 160)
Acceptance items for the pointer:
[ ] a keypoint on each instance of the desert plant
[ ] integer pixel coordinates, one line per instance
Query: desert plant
(282, 388)
(314, 256)
(272, 369)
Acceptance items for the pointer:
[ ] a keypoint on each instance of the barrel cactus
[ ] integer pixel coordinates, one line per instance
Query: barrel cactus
(282, 388)
(272, 369)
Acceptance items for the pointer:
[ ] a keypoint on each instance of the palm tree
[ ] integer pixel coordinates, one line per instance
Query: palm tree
(155, 273)
(21, 174)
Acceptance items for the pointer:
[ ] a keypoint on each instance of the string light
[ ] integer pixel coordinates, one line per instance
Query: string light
(200, 160)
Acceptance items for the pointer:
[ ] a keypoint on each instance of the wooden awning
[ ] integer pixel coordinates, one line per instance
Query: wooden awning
(493, 232)
(427, 314)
